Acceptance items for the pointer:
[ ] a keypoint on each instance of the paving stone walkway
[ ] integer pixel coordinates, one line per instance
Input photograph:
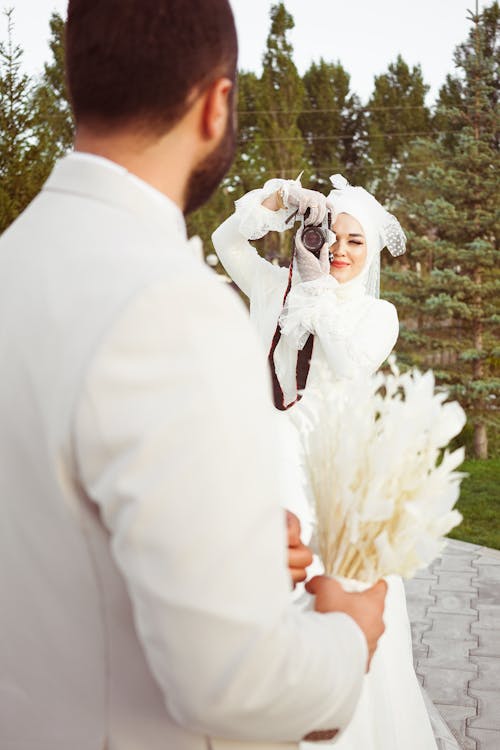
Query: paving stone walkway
(454, 609)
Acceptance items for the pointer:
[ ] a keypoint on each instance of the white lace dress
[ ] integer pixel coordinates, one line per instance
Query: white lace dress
(353, 333)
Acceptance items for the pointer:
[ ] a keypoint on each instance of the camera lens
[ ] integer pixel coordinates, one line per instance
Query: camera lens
(313, 239)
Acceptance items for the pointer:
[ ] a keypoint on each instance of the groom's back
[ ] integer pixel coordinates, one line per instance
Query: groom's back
(70, 661)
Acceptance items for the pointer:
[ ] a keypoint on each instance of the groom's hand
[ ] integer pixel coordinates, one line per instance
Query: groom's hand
(299, 556)
(365, 607)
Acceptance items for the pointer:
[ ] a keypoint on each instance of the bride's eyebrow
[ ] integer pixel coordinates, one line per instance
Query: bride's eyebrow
(352, 234)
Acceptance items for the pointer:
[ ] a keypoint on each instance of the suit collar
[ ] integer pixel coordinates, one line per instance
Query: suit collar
(99, 179)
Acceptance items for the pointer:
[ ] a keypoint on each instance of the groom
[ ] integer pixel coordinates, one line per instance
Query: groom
(143, 577)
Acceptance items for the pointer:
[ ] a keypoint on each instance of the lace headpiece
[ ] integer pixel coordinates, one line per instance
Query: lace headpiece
(381, 228)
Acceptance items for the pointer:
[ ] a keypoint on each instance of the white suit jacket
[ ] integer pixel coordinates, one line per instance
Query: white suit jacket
(143, 583)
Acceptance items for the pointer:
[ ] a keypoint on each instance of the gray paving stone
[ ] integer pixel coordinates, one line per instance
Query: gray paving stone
(488, 710)
(452, 601)
(488, 643)
(453, 625)
(425, 574)
(453, 581)
(420, 588)
(487, 739)
(488, 574)
(418, 628)
(461, 563)
(447, 653)
(488, 593)
(456, 718)
(420, 651)
(488, 677)
(417, 610)
(454, 546)
(454, 608)
(487, 560)
(489, 552)
(488, 617)
(449, 686)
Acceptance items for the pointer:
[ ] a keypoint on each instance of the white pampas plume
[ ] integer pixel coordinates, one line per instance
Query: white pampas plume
(383, 482)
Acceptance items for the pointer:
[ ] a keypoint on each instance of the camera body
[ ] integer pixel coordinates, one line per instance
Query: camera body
(314, 236)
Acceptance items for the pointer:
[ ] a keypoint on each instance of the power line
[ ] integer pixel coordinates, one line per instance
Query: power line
(307, 139)
(330, 109)
(324, 169)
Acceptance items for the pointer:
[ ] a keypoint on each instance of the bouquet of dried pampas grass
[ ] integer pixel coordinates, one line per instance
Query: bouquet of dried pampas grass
(383, 482)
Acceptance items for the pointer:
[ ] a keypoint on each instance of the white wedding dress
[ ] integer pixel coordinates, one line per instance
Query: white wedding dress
(393, 712)
(354, 332)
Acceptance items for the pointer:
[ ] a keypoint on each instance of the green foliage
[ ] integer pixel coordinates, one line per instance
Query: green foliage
(54, 127)
(479, 504)
(35, 122)
(452, 212)
(18, 153)
(397, 115)
(279, 98)
(332, 123)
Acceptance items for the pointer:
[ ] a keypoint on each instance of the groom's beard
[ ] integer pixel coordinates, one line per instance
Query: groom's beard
(205, 178)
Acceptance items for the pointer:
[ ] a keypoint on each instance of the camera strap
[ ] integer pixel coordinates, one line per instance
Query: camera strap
(303, 355)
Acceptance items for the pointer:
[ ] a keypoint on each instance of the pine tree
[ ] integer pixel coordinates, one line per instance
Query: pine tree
(449, 304)
(281, 93)
(280, 99)
(54, 127)
(331, 124)
(18, 183)
(397, 115)
(249, 169)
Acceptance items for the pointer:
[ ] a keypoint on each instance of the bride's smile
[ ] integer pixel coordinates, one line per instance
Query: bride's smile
(348, 250)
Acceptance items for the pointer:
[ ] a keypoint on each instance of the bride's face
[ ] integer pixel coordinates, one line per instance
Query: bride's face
(349, 249)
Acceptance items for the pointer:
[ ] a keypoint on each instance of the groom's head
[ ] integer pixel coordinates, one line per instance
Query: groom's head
(142, 66)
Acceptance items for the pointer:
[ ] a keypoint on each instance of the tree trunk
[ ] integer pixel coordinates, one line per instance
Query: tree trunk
(480, 440)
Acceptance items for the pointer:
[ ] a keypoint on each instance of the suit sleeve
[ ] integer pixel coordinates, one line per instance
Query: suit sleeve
(175, 442)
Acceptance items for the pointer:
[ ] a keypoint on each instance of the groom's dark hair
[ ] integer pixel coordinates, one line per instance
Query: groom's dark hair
(135, 63)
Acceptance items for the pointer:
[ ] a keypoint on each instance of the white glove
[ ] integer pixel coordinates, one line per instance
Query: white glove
(295, 196)
(310, 267)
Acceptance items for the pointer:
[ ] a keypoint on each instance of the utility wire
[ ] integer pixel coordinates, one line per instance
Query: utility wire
(331, 109)
(315, 171)
(306, 138)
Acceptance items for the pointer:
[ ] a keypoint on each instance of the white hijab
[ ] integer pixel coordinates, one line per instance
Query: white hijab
(381, 229)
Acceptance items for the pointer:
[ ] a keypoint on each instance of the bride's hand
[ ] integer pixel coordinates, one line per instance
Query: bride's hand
(365, 607)
(299, 556)
(309, 266)
(295, 196)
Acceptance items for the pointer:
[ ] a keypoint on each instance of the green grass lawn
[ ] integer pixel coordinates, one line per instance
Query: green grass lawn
(479, 504)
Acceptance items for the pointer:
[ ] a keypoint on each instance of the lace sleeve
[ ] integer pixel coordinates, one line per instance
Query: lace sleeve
(254, 219)
(306, 305)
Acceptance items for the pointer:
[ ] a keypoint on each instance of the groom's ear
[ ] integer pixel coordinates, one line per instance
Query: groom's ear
(217, 108)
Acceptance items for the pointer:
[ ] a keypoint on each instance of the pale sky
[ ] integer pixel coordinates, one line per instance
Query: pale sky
(365, 35)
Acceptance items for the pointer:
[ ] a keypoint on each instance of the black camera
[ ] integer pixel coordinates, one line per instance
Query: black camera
(314, 236)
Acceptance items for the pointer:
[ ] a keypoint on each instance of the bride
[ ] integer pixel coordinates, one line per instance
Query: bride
(325, 311)
(337, 303)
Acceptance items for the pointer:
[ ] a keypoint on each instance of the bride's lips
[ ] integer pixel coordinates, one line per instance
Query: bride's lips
(339, 264)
